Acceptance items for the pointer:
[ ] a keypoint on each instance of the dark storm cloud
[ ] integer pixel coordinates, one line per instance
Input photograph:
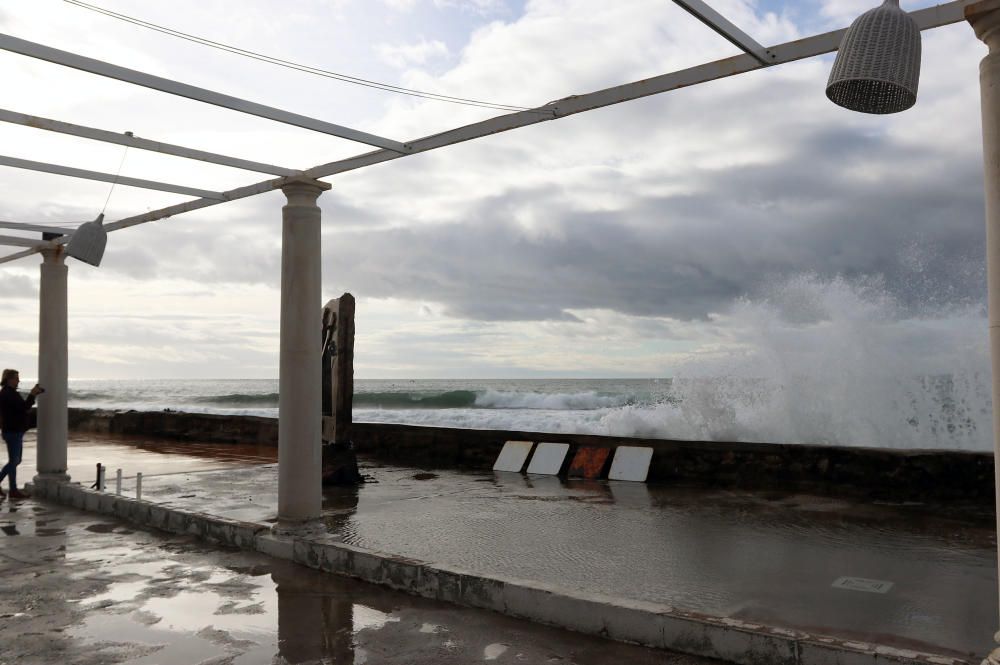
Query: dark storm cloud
(868, 207)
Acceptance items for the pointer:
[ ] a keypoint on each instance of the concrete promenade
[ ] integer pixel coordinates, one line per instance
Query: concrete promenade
(85, 589)
(741, 576)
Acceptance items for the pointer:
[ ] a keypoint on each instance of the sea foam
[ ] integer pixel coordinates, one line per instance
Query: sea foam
(832, 362)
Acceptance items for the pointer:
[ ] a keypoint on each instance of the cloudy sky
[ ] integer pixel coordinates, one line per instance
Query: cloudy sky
(627, 241)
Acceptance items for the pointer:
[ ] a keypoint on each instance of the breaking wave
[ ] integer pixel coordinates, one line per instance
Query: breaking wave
(823, 361)
(584, 401)
(239, 399)
(450, 399)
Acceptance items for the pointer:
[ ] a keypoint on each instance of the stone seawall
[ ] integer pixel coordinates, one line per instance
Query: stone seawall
(887, 474)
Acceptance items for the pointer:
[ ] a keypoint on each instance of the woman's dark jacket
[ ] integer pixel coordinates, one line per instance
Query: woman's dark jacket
(14, 410)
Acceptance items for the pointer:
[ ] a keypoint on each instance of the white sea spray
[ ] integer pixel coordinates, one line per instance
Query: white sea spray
(827, 361)
(832, 362)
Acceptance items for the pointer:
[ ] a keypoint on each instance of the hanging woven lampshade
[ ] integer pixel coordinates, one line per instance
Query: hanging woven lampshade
(878, 65)
(88, 242)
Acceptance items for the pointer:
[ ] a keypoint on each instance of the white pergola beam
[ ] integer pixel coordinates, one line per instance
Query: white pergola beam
(20, 226)
(720, 24)
(67, 59)
(108, 177)
(136, 142)
(22, 242)
(18, 255)
(931, 17)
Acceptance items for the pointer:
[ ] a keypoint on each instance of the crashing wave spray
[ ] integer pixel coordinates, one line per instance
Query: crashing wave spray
(832, 362)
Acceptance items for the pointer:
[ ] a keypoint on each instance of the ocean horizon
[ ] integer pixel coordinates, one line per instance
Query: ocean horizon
(922, 412)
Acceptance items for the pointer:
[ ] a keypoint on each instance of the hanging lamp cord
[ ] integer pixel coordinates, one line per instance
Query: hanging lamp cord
(117, 175)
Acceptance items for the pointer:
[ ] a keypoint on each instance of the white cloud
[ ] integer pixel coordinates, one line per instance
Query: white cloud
(401, 5)
(484, 7)
(417, 53)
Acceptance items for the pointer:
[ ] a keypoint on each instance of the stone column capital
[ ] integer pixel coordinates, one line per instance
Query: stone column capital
(54, 254)
(984, 17)
(304, 191)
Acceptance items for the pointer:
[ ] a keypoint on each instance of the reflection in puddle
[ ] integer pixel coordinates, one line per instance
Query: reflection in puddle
(371, 619)
(494, 651)
(166, 612)
(117, 592)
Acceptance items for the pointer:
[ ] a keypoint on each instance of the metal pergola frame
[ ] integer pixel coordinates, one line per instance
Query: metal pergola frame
(299, 438)
(755, 57)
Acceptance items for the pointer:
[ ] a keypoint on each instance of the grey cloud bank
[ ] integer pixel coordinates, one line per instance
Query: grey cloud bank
(669, 211)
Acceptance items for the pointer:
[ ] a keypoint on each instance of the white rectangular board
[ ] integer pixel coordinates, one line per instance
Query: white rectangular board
(513, 456)
(548, 458)
(631, 463)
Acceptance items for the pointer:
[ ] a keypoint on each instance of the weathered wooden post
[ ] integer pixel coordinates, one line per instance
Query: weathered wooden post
(340, 465)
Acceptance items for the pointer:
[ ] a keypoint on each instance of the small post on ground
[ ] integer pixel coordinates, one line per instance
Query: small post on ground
(118, 482)
(138, 487)
(300, 496)
(53, 370)
(985, 20)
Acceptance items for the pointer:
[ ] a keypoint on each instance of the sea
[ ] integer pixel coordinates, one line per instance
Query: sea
(812, 360)
(920, 412)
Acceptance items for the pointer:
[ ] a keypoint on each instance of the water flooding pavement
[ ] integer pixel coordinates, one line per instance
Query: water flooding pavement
(144, 455)
(909, 576)
(83, 589)
(927, 573)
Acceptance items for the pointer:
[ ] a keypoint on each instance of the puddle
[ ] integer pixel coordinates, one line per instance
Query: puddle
(152, 645)
(196, 610)
(117, 592)
(102, 527)
(370, 618)
(89, 551)
(494, 651)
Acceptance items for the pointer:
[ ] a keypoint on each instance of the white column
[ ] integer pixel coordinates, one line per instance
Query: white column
(300, 385)
(985, 20)
(52, 366)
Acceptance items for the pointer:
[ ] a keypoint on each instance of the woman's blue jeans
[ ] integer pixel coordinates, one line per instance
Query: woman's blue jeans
(15, 444)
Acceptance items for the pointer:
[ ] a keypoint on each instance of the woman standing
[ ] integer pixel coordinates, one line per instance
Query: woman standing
(14, 413)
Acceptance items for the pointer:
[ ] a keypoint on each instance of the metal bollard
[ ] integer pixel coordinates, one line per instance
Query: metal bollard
(138, 486)
(118, 482)
(100, 478)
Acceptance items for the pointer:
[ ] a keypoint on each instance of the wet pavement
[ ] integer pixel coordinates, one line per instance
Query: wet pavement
(144, 455)
(928, 574)
(911, 576)
(82, 589)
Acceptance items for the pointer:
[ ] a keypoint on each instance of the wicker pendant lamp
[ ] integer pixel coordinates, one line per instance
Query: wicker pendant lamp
(878, 65)
(88, 242)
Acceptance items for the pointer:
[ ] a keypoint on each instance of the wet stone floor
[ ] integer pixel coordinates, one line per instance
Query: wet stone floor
(911, 576)
(914, 576)
(83, 589)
